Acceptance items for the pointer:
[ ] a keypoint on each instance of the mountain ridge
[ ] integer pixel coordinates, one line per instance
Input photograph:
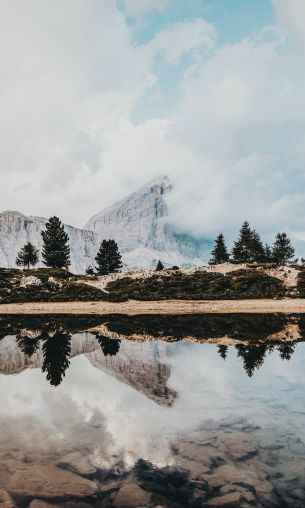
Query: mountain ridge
(139, 223)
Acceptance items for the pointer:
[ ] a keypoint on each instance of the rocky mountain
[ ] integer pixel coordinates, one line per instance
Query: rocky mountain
(16, 229)
(139, 224)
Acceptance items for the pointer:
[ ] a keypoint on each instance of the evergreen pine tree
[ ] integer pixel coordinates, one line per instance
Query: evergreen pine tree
(219, 253)
(55, 250)
(282, 251)
(268, 254)
(257, 250)
(240, 251)
(159, 266)
(90, 270)
(27, 256)
(248, 248)
(108, 258)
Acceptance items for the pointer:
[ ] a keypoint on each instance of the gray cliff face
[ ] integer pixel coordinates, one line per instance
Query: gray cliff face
(137, 220)
(16, 229)
(138, 223)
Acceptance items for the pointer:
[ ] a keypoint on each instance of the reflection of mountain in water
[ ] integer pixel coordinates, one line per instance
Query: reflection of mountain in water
(48, 342)
(142, 368)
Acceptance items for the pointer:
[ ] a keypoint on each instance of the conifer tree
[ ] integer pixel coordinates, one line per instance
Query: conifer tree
(27, 256)
(248, 248)
(240, 251)
(108, 258)
(219, 253)
(55, 250)
(159, 266)
(282, 251)
(257, 249)
(268, 254)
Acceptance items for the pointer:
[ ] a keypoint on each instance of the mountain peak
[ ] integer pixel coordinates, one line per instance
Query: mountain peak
(139, 223)
(162, 182)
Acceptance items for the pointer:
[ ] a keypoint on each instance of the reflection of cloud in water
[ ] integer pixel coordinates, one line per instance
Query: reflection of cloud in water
(94, 411)
(91, 409)
(210, 387)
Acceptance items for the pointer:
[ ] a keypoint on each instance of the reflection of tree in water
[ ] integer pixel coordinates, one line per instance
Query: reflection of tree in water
(28, 345)
(253, 356)
(286, 350)
(56, 353)
(223, 351)
(109, 346)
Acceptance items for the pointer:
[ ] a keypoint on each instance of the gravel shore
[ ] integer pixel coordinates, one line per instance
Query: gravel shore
(159, 307)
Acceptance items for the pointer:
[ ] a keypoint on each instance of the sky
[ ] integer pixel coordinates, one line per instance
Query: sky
(97, 98)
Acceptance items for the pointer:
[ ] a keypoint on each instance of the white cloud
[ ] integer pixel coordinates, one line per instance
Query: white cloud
(232, 139)
(69, 76)
(182, 38)
(291, 15)
(135, 8)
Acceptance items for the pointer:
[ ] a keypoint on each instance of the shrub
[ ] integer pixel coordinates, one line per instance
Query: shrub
(197, 286)
(301, 283)
(52, 293)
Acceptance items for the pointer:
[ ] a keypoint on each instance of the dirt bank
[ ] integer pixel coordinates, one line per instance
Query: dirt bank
(159, 307)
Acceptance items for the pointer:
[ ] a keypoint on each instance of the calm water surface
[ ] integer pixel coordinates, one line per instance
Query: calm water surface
(152, 411)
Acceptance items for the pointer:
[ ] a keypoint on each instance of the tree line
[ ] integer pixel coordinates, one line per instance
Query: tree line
(56, 251)
(249, 248)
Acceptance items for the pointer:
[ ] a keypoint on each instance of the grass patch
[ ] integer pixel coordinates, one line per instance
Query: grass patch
(61, 288)
(173, 285)
(69, 292)
(197, 286)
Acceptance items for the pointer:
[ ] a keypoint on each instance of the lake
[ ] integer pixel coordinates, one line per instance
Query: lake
(147, 411)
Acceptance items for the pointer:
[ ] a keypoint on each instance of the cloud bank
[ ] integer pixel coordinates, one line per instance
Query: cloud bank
(81, 123)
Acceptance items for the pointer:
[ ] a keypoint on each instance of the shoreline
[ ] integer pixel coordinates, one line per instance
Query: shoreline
(132, 307)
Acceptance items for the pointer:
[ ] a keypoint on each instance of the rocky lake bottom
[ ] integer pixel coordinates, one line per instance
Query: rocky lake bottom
(152, 411)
